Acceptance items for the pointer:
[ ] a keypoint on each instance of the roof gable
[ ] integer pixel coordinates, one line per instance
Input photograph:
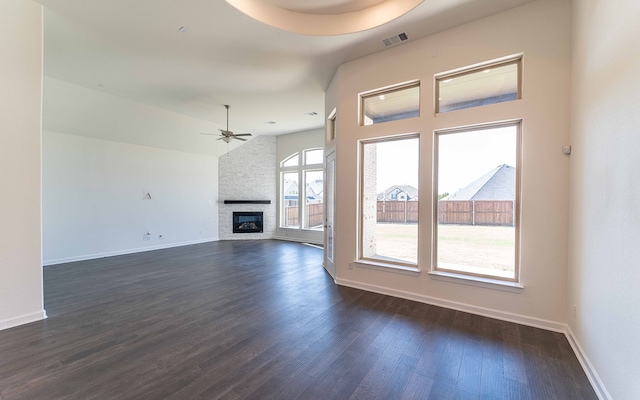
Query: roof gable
(497, 184)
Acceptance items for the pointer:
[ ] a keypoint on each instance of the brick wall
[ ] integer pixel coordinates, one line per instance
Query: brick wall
(369, 200)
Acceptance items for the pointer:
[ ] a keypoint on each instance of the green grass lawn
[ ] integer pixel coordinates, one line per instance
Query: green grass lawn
(476, 246)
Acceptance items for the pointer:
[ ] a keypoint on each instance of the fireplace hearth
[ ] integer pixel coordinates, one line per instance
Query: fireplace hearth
(247, 222)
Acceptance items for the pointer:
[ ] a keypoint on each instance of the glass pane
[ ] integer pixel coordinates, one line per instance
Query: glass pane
(331, 163)
(390, 200)
(290, 196)
(314, 156)
(392, 105)
(314, 187)
(292, 161)
(487, 86)
(477, 198)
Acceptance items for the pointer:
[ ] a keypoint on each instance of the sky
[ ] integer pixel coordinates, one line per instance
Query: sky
(462, 158)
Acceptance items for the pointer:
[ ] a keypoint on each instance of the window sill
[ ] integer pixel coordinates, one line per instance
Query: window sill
(387, 267)
(488, 283)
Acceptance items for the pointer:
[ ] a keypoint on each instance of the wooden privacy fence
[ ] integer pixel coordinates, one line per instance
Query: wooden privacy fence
(472, 212)
(398, 211)
(476, 212)
(315, 214)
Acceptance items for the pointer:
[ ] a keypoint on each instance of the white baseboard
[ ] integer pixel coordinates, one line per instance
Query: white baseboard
(123, 252)
(485, 312)
(594, 378)
(23, 319)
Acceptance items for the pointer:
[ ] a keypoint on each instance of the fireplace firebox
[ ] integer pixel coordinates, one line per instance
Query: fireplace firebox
(247, 222)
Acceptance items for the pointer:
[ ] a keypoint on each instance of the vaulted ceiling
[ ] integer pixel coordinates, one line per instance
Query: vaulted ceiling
(193, 56)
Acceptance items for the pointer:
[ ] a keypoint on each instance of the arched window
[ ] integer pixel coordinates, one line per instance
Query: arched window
(302, 183)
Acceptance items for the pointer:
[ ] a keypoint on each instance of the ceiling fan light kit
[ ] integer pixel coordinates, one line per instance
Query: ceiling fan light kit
(226, 135)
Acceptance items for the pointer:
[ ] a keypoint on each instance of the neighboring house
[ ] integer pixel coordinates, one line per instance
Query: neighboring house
(497, 184)
(314, 191)
(399, 193)
(290, 193)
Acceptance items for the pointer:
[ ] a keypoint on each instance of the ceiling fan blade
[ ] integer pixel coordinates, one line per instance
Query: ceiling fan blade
(242, 134)
(221, 138)
(239, 138)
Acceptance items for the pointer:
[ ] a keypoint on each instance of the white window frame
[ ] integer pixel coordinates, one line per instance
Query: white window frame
(332, 128)
(301, 168)
(516, 59)
(517, 211)
(362, 118)
(379, 262)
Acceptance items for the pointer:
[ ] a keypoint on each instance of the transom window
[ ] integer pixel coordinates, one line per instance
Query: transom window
(390, 104)
(486, 84)
(291, 161)
(314, 156)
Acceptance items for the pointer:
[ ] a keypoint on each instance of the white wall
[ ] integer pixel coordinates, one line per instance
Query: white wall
(541, 30)
(288, 145)
(20, 126)
(604, 256)
(94, 204)
(82, 111)
(248, 173)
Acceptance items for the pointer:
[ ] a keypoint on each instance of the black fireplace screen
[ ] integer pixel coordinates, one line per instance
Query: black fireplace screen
(247, 222)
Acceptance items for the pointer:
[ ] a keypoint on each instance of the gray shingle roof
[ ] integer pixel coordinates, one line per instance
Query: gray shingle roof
(497, 184)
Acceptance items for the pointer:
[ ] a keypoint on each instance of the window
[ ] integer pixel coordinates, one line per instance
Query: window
(291, 161)
(302, 183)
(331, 126)
(392, 104)
(388, 225)
(477, 208)
(487, 84)
(314, 156)
(290, 199)
(314, 187)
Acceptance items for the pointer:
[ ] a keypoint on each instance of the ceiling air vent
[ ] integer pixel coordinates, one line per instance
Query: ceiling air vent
(395, 39)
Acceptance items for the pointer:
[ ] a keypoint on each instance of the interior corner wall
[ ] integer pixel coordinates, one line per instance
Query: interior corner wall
(541, 31)
(94, 202)
(21, 299)
(604, 256)
(286, 146)
(248, 173)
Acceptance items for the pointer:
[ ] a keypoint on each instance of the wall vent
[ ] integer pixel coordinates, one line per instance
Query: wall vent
(395, 39)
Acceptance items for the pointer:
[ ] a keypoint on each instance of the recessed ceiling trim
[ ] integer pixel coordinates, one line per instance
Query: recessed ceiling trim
(324, 24)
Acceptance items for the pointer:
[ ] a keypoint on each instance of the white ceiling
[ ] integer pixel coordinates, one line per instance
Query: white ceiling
(134, 49)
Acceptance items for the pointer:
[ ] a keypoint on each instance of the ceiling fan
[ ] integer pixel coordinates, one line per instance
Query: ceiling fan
(226, 134)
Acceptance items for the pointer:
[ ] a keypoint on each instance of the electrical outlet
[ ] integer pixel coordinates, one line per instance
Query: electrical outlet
(575, 311)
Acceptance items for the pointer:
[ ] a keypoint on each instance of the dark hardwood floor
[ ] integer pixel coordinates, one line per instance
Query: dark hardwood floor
(262, 320)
